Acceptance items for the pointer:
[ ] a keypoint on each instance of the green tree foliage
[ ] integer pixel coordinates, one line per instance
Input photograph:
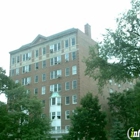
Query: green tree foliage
(125, 108)
(21, 117)
(5, 81)
(87, 121)
(123, 45)
(118, 132)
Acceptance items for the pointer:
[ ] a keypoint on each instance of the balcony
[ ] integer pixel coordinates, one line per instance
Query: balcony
(62, 131)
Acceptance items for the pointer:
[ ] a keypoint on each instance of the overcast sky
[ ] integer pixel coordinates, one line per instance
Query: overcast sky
(22, 20)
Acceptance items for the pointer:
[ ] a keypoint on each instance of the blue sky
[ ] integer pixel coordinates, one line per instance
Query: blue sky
(22, 20)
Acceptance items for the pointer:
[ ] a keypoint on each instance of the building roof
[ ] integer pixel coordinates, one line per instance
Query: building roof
(41, 39)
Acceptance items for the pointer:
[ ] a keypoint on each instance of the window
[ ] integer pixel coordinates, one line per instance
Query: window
(44, 64)
(74, 99)
(67, 100)
(74, 70)
(66, 43)
(72, 41)
(13, 60)
(17, 59)
(36, 79)
(67, 71)
(17, 71)
(36, 53)
(119, 85)
(26, 56)
(74, 84)
(67, 114)
(58, 128)
(67, 127)
(53, 101)
(12, 72)
(26, 68)
(67, 57)
(110, 81)
(16, 81)
(44, 77)
(55, 88)
(55, 74)
(43, 115)
(73, 54)
(58, 101)
(44, 51)
(55, 47)
(53, 115)
(27, 91)
(36, 66)
(58, 115)
(35, 90)
(26, 81)
(55, 60)
(67, 85)
(43, 90)
(110, 90)
(43, 103)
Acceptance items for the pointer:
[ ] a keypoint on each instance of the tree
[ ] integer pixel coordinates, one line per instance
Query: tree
(125, 111)
(122, 45)
(87, 121)
(117, 131)
(22, 115)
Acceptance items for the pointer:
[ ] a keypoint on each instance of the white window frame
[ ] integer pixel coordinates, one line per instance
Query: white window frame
(18, 59)
(72, 41)
(66, 85)
(17, 71)
(53, 115)
(44, 77)
(67, 97)
(74, 99)
(66, 57)
(65, 43)
(36, 66)
(67, 127)
(36, 78)
(36, 53)
(73, 84)
(44, 48)
(52, 101)
(66, 71)
(35, 90)
(26, 81)
(67, 114)
(55, 60)
(58, 114)
(52, 87)
(72, 55)
(44, 66)
(13, 61)
(16, 81)
(74, 70)
(43, 90)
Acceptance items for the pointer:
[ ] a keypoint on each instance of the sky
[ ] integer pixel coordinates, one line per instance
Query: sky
(22, 20)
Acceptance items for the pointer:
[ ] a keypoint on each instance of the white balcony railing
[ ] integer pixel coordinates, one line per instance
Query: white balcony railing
(62, 131)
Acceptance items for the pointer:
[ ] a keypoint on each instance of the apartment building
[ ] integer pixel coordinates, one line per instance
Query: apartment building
(52, 69)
